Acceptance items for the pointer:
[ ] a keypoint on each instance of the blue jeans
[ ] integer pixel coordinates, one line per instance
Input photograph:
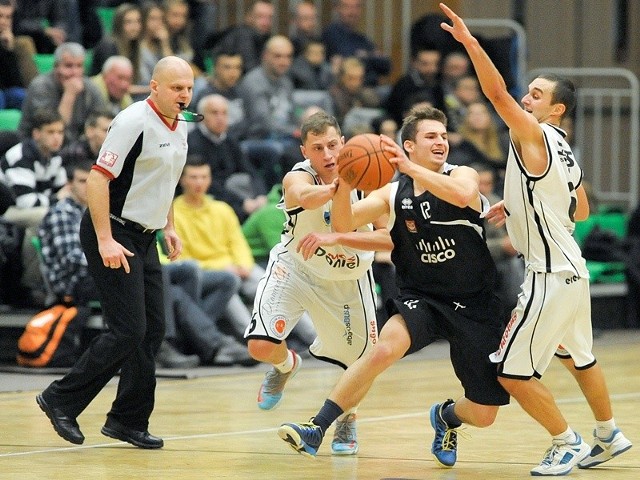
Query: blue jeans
(12, 97)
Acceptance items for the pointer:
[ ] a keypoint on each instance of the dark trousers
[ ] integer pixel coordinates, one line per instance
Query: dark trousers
(132, 305)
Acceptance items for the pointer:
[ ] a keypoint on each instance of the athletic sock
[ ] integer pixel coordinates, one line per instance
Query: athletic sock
(287, 365)
(568, 436)
(450, 417)
(604, 429)
(327, 415)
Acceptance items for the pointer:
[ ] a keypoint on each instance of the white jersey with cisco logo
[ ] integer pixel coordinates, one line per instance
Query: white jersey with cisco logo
(331, 262)
(540, 208)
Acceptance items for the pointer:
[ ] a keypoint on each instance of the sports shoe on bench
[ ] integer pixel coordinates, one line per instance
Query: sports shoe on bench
(604, 450)
(445, 443)
(304, 438)
(561, 457)
(345, 440)
(270, 392)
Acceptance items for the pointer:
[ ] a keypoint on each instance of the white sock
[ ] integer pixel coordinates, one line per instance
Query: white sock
(568, 436)
(604, 429)
(344, 416)
(287, 365)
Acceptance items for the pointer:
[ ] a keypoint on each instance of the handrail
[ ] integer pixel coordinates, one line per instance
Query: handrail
(632, 196)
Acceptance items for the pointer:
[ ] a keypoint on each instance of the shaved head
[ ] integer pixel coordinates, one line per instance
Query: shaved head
(169, 66)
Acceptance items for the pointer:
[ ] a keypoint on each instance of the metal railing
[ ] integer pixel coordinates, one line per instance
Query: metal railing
(607, 130)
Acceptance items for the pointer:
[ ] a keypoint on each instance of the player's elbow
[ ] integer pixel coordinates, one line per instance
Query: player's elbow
(341, 227)
(463, 198)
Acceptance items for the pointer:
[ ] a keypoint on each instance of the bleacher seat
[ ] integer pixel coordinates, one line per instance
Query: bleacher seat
(10, 119)
(44, 62)
(106, 14)
(605, 219)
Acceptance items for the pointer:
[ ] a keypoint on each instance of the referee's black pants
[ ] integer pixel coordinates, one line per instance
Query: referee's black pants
(133, 307)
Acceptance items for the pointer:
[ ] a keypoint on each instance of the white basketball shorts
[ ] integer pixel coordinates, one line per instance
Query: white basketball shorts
(343, 312)
(553, 309)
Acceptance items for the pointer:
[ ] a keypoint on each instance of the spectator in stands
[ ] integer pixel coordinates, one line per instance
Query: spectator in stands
(425, 33)
(227, 71)
(114, 83)
(176, 14)
(211, 235)
(66, 90)
(154, 43)
(65, 266)
(49, 22)
(304, 25)
(422, 78)
(12, 82)
(124, 40)
(267, 93)
(203, 18)
(249, 38)
(264, 226)
(385, 125)
(189, 328)
(234, 181)
(455, 65)
(88, 145)
(16, 50)
(91, 30)
(466, 90)
(479, 140)
(509, 263)
(349, 89)
(33, 170)
(310, 70)
(343, 39)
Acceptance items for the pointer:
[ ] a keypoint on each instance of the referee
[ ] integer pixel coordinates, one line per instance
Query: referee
(130, 189)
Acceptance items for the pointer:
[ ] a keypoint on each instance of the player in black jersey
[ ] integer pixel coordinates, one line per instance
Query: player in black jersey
(446, 280)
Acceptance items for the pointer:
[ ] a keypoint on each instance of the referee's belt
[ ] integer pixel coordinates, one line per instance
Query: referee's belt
(132, 225)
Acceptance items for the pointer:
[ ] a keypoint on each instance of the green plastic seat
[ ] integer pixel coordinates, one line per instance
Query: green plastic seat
(614, 221)
(10, 119)
(106, 14)
(44, 62)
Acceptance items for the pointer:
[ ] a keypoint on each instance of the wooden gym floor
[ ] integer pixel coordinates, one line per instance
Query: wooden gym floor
(213, 429)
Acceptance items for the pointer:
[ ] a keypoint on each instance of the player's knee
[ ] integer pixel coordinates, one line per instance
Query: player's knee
(260, 350)
(485, 416)
(382, 356)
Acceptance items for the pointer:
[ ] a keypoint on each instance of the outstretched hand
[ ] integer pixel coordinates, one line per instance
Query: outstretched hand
(497, 214)
(458, 29)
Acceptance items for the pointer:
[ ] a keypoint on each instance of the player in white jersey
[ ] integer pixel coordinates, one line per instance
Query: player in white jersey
(543, 198)
(314, 270)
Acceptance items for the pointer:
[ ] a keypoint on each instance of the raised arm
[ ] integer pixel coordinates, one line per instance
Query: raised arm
(524, 126)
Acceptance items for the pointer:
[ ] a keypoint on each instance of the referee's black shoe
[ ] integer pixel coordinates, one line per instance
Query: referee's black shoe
(64, 425)
(115, 429)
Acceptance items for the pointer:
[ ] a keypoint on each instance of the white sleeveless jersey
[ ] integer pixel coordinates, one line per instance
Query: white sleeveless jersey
(540, 209)
(333, 263)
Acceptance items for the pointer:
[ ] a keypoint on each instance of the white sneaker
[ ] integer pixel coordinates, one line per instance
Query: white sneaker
(561, 457)
(604, 450)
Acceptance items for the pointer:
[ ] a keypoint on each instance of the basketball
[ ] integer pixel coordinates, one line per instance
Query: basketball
(364, 164)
